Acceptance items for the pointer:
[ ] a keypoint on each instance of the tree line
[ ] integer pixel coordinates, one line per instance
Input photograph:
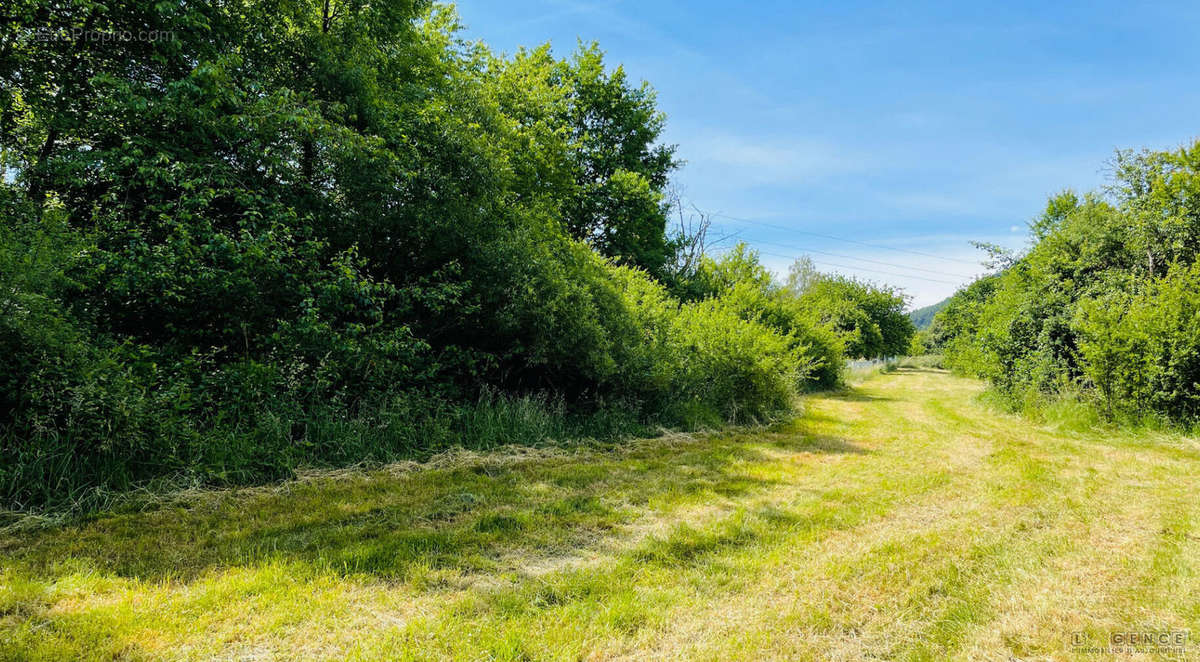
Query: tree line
(317, 232)
(1105, 304)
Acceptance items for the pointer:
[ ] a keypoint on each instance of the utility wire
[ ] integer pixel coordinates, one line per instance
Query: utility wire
(861, 259)
(850, 241)
(878, 271)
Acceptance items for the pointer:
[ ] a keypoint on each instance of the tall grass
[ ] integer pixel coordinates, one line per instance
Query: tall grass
(50, 474)
(927, 361)
(1081, 411)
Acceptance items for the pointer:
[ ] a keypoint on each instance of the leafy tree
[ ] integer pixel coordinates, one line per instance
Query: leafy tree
(620, 168)
(1098, 302)
(869, 318)
(261, 233)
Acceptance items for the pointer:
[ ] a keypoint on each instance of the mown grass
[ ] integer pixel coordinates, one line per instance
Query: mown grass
(899, 520)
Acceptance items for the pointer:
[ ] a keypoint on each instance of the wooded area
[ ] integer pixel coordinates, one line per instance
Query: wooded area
(1105, 306)
(293, 233)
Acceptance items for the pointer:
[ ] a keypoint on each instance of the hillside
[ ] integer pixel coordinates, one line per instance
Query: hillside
(923, 317)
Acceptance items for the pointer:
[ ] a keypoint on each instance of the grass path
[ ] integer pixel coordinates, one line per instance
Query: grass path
(900, 520)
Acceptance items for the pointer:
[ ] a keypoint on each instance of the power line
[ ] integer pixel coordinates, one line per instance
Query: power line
(849, 241)
(878, 271)
(863, 259)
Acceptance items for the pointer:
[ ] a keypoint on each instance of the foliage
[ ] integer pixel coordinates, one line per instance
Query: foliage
(282, 233)
(923, 317)
(868, 318)
(620, 169)
(1104, 303)
(741, 284)
(957, 325)
(834, 317)
(1142, 351)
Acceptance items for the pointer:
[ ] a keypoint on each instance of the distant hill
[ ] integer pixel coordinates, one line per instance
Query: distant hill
(923, 317)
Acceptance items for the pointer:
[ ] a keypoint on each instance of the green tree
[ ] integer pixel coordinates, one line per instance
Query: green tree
(869, 318)
(1096, 305)
(621, 169)
(263, 233)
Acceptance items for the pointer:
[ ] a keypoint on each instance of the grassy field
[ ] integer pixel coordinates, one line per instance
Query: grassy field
(898, 520)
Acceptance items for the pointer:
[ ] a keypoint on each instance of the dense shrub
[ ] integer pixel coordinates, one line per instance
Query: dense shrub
(705, 361)
(748, 289)
(1142, 351)
(286, 234)
(868, 319)
(740, 369)
(1104, 305)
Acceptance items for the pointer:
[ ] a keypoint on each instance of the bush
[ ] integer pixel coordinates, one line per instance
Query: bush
(703, 362)
(268, 240)
(1142, 351)
(741, 370)
(1103, 308)
(745, 287)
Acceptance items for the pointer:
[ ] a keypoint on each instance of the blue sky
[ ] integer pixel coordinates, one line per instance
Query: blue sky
(901, 126)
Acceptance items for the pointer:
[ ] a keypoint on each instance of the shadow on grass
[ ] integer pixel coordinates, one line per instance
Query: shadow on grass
(855, 395)
(921, 369)
(470, 514)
